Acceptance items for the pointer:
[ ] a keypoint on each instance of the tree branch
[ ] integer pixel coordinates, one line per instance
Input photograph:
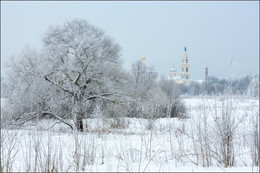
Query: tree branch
(65, 90)
(35, 115)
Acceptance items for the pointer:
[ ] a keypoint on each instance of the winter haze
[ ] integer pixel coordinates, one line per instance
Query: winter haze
(90, 87)
(212, 31)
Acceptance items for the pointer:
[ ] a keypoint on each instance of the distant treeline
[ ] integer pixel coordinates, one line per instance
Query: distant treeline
(247, 85)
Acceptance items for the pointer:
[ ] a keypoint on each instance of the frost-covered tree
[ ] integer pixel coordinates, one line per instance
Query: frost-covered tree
(253, 87)
(78, 65)
(143, 79)
(175, 105)
(147, 97)
(84, 64)
(195, 88)
(27, 92)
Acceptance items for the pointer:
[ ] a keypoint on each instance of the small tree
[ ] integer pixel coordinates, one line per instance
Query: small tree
(147, 97)
(253, 87)
(175, 106)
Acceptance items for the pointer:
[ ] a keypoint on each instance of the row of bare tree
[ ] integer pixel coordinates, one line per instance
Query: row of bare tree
(246, 86)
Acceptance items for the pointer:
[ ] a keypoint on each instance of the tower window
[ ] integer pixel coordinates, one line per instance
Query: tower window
(182, 60)
(187, 70)
(186, 61)
(187, 77)
(182, 70)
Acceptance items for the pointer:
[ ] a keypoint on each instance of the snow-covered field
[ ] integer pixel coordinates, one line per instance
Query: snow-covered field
(130, 144)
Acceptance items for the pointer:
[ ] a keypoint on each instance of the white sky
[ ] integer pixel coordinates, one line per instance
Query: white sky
(212, 31)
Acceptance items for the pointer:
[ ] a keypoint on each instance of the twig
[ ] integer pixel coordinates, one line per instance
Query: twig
(151, 159)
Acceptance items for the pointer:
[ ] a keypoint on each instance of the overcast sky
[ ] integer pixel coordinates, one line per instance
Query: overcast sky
(212, 31)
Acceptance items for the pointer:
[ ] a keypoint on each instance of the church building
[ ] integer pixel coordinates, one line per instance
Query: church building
(185, 70)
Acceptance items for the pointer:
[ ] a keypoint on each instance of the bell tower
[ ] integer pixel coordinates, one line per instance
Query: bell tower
(185, 71)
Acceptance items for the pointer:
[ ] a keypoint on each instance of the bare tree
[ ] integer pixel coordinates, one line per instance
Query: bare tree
(27, 92)
(175, 106)
(147, 98)
(78, 65)
(253, 87)
(254, 139)
(84, 64)
(144, 79)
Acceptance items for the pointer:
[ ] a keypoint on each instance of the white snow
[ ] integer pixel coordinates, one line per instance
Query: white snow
(137, 145)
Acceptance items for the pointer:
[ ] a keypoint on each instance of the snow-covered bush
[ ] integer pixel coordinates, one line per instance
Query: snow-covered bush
(175, 107)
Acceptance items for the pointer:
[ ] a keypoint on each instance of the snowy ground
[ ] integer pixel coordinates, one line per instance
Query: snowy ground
(128, 144)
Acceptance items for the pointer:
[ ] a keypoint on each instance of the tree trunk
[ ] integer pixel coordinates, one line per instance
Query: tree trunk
(79, 123)
(78, 117)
